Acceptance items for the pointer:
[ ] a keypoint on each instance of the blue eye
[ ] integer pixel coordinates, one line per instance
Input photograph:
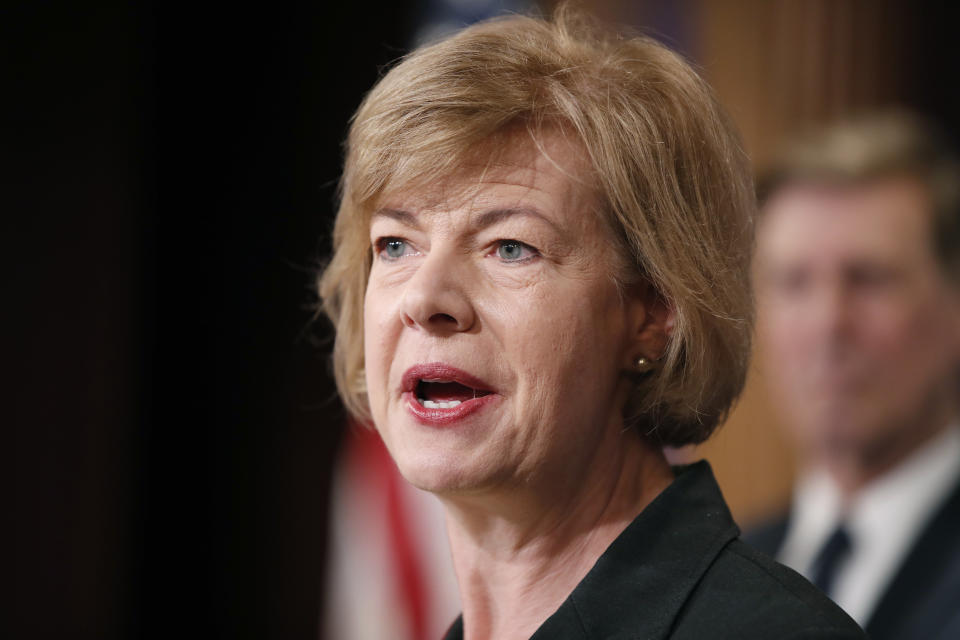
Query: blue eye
(392, 248)
(514, 251)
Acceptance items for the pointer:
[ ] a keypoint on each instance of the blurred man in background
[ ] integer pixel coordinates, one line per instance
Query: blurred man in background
(858, 284)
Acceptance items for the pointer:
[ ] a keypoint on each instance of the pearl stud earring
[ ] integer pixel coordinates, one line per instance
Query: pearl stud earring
(644, 365)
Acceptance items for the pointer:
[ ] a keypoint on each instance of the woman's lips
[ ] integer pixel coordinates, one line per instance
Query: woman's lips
(444, 412)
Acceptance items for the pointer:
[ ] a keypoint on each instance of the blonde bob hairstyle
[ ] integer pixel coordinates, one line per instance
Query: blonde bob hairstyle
(671, 177)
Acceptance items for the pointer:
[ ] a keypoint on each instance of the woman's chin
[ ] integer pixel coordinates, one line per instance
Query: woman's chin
(442, 476)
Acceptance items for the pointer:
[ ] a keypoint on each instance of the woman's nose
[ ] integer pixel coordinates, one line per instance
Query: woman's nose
(436, 299)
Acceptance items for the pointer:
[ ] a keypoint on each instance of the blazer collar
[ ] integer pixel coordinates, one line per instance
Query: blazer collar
(640, 583)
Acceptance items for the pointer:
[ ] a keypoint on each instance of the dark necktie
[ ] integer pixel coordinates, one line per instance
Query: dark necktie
(834, 551)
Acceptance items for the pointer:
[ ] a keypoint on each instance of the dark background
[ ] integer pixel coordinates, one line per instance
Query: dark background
(170, 175)
(168, 182)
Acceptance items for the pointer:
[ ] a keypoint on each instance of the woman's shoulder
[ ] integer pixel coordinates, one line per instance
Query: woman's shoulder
(680, 571)
(747, 594)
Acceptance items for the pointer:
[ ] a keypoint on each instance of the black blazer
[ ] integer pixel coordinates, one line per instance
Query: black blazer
(679, 571)
(923, 599)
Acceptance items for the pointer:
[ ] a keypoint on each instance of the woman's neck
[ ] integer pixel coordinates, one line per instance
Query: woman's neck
(519, 555)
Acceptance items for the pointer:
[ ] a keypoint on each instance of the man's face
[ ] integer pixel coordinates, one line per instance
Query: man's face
(858, 325)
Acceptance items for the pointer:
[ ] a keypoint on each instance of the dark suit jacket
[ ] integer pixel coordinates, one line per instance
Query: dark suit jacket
(679, 571)
(923, 599)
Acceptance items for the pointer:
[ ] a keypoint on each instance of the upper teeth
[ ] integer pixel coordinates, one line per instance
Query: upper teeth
(430, 404)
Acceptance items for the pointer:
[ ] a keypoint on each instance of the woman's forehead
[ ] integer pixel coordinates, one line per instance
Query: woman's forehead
(519, 166)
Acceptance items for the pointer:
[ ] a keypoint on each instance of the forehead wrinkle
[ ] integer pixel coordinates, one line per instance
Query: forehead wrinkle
(514, 163)
(459, 193)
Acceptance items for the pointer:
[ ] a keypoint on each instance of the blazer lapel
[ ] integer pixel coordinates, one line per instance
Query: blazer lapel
(638, 586)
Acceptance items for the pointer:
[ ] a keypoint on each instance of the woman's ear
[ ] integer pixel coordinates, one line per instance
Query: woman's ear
(652, 318)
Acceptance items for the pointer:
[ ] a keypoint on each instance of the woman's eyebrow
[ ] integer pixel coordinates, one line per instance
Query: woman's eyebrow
(403, 217)
(492, 217)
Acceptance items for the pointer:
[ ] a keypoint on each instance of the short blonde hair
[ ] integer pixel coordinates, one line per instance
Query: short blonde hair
(673, 181)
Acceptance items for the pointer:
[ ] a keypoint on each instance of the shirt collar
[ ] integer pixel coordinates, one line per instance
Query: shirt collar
(910, 492)
(883, 519)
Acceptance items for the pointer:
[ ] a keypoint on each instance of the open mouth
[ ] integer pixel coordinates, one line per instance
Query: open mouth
(440, 394)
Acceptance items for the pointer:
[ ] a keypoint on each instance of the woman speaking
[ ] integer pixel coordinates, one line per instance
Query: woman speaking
(539, 279)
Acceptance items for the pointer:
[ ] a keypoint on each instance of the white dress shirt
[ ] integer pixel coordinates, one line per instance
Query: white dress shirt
(883, 519)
